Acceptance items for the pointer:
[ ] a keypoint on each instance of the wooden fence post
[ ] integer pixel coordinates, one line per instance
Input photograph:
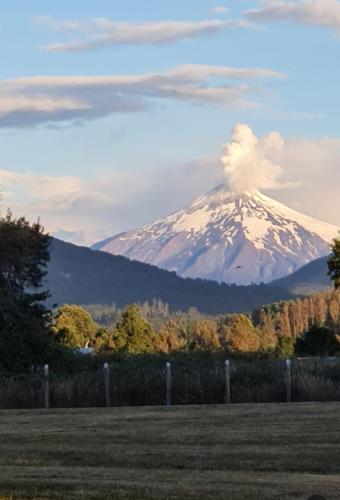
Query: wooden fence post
(107, 384)
(227, 380)
(46, 387)
(168, 384)
(289, 380)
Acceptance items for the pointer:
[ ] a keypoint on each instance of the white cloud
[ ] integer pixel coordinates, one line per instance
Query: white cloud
(86, 211)
(29, 101)
(323, 13)
(44, 104)
(102, 32)
(303, 173)
(314, 166)
(219, 9)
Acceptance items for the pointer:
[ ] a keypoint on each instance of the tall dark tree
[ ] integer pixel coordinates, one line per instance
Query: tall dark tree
(25, 334)
(334, 263)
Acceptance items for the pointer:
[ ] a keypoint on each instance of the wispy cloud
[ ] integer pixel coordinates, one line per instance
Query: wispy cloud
(25, 102)
(219, 9)
(323, 13)
(85, 211)
(96, 33)
(101, 32)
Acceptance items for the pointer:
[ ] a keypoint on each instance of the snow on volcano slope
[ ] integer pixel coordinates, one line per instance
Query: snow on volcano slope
(228, 236)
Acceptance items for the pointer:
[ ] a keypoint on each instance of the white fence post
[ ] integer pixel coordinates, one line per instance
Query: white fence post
(107, 384)
(289, 380)
(46, 387)
(168, 384)
(227, 380)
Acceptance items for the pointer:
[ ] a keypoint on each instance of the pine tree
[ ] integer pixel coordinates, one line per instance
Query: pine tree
(25, 333)
(133, 334)
(334, 263)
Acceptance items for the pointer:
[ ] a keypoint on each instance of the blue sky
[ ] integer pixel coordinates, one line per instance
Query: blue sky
(107, 171)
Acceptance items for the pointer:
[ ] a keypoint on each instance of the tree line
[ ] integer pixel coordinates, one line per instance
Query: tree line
(32, 334)
(279, 329)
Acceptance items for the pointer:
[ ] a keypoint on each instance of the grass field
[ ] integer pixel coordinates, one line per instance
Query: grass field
(239, 452)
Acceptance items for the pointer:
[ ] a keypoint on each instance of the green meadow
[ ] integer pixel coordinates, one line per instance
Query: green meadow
(263, 451)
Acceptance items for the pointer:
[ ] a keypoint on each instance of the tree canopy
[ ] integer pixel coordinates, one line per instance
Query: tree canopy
(25, 334)
(74, 326)
(133, 334)
(334, 264)
(272, 330)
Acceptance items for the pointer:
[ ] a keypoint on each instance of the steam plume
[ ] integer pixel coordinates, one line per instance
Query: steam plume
(250, 162)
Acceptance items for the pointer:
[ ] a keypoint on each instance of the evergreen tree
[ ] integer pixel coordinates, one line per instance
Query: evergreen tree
(319, 341)
(334, 264)
(25, 334)
(133, 334)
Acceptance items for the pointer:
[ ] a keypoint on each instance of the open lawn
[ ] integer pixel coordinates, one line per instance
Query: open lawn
(262, 451)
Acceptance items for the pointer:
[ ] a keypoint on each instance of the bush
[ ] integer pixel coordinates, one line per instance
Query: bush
(319, 341)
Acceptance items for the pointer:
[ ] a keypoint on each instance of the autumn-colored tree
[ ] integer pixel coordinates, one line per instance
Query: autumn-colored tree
(171, 338)
(103, 340)
(237, 334)
(265, 328)
(204, 336)
(333, 311)
(272, 329)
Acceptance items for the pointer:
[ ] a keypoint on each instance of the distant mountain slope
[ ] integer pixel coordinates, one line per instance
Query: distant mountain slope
(82, 276)
(228, 236)
(310, 278)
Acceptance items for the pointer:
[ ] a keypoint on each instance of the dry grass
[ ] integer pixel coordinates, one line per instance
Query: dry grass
(265, 451)
(197, 380)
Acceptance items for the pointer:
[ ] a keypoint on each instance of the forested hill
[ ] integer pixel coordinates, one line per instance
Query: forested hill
(79, 275)
(308, 279)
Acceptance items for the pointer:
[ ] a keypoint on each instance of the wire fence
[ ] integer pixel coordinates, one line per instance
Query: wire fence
(177, 383)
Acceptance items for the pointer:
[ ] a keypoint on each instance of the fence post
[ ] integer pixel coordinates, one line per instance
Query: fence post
(46, 387)
(227, 380)
(107, 384)
(289, 380)
(168, 384)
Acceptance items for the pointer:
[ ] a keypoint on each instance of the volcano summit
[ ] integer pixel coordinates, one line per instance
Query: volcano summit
(228, 236)
(234, 233)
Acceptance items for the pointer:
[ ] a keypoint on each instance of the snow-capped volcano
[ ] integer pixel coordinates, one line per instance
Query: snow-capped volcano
(228, 236)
